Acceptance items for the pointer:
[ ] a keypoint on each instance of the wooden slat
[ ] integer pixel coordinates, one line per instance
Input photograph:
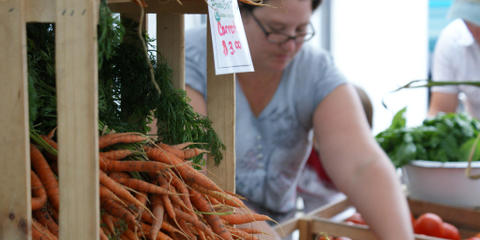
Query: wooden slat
(304, 226)
(15, 211)
(77, 94)
(44, 10)
(40, 10)
(331, 209)
(171, 45)
(287, 227)
(163, 6)
(321, 225)
(221, 110)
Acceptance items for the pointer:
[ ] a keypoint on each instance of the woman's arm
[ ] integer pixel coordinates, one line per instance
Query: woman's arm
(197, 101)
(358, 166)
(442, 102)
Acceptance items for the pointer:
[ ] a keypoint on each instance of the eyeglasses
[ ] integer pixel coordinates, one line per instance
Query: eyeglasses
(278, 37)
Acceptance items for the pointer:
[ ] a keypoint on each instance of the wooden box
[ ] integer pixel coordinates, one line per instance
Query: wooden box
(76, 58)
(321, 221)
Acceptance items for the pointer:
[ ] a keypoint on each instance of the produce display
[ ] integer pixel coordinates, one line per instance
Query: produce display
(151, 144)
(148, 190)
(445, 138)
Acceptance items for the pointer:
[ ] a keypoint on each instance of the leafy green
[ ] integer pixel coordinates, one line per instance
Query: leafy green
(445, 138)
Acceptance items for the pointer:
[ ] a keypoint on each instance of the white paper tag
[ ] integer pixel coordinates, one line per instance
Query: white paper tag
(230, 47)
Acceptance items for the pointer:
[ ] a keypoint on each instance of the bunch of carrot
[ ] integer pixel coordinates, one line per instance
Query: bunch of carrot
(147, 191)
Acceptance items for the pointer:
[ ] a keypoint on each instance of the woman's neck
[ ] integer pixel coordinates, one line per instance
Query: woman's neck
(259, 89)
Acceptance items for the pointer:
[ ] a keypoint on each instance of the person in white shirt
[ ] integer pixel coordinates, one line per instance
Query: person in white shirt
(457, 58)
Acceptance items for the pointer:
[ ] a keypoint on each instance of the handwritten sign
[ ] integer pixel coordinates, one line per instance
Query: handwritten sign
(230, 48)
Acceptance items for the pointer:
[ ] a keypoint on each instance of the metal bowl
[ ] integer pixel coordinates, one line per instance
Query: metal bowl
(443, 182)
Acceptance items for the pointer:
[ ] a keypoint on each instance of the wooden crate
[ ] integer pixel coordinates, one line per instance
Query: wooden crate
(76, 57)
(320, 221)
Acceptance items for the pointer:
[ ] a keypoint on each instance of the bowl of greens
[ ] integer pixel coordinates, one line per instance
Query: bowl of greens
(434, 157)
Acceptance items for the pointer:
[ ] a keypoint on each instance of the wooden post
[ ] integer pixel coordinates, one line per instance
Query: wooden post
(15, 210)
(77, 100)
(171, 45)
(221, 110)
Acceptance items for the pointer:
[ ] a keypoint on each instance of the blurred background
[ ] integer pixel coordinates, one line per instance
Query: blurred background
(379, 45)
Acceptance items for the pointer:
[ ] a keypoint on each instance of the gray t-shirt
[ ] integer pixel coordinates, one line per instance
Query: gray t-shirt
(272, 149)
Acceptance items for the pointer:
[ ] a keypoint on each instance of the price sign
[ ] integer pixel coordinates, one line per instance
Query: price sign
(230, 48)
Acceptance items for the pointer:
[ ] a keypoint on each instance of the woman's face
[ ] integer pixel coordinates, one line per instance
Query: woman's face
(289, 17)
(475, 30)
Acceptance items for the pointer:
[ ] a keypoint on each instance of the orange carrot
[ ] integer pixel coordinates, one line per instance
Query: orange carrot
(45, 174)
(238, 233)
(118, 189)
(172, 150)
(220, 196)
(161, 236)
(188, 173)
(158, 211)
(131, 166)
(44, 218)
(141, 186)
(39, 196)
(182, 188)
(182, 146)
(117, 210)
(245, 218)
(114, 138)
(117, 154)
(40, 232)
(107, 220)
(215, 222)
(103, 236)
(193, 152)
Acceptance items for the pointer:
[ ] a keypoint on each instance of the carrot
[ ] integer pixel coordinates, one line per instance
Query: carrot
(188, 173)
(140, 185)
(193, 152)
(182, 153)
(114, 138)
(103, 236)
(39, 196)
(245, 218)
(131, 166)
(220, 196)
(182, 188)
(158, 211)
(214, 220)
(117, 154)
(175, 151)
(40, 232)
(162, 236)
(117, 210)
(251, 230)
(44, 218)
(238, 233)
(118, 189)
(196, 222)
(107, 220)
(46, 175)
(182, 146)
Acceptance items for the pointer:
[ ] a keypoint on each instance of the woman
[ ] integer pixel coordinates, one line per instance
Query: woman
(293, 90)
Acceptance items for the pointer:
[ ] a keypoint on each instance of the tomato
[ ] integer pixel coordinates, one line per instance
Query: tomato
(450, 231)
(356, 218)
(429, 224)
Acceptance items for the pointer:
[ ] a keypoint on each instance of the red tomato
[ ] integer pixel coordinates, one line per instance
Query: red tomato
(450, 231)
(429, 224)
(356, 218)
